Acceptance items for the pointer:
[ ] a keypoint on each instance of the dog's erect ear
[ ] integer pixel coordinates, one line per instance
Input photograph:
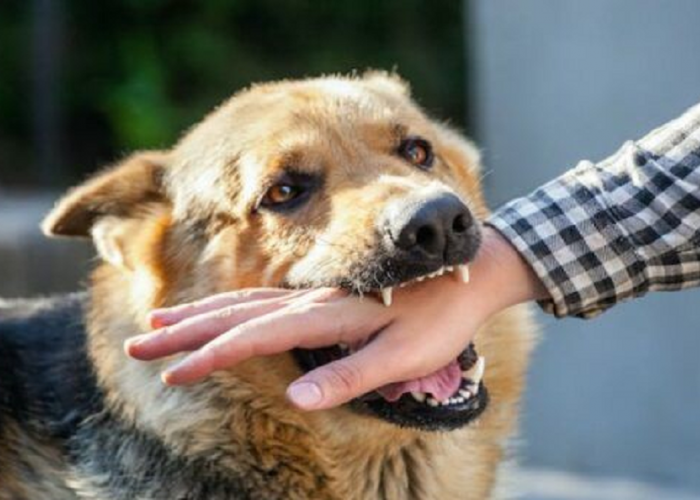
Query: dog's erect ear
(387, 82)
(96, 208)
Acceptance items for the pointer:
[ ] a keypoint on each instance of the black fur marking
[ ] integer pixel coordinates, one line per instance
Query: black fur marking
(47, 386)
(120, 461)
(46, 382)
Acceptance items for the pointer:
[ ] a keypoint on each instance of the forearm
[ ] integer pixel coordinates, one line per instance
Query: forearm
(603, 233)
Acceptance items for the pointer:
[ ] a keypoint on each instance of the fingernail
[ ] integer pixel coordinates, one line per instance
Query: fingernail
(306, 395)
(167, 377)
(129, 344)
(157, 322)
(158, 318)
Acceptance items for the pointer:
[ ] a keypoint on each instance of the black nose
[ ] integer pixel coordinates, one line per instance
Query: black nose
(436, 228)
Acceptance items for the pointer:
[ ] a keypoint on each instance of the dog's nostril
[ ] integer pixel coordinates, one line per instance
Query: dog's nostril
(432, 228)
(459, 224)
(425, 236)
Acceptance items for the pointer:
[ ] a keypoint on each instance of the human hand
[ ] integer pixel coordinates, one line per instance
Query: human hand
(426, 328)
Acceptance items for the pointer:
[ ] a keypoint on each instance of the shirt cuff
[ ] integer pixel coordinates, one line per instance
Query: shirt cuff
(579, 252)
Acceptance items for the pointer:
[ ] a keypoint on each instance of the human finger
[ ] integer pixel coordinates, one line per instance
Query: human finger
(159, 318)
(309, 326)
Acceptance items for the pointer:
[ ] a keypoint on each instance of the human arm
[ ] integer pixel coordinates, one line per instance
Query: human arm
(608, 232)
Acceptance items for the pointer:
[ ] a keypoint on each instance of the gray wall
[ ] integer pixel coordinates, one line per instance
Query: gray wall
(559, 81)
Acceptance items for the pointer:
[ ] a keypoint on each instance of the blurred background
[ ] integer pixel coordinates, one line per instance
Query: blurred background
(613, 405)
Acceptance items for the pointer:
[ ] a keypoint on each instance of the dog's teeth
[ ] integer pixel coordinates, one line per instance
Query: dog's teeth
(420, 278)
(479, 370)
(449, 269)
(463, 273)
(419, 396)
(476, 372)
(386, 295)
(432, 402)
(343, 346)
(465, 393)
(441, 271)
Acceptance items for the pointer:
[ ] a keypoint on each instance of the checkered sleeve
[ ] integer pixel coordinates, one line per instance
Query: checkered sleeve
(603, 233)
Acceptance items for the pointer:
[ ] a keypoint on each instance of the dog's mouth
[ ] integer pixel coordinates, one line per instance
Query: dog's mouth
(446, 399)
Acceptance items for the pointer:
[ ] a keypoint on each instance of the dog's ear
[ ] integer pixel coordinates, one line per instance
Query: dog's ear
(99, 207)
(387, 82)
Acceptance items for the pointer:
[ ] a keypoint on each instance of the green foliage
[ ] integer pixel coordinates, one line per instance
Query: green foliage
(136, 73)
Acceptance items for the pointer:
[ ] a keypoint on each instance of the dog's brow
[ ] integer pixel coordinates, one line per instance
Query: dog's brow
(289, 159)
(398, 131)
(293, 162)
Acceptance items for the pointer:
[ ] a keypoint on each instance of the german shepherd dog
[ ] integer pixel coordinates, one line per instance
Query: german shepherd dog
(289, 184)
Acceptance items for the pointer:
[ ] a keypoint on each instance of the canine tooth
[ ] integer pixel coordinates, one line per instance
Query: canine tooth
(419, 396)
(449, 269)
(386, 295)
(466, 394)
(441, 271)
(476, 372)
(463, 273)
(432, 402)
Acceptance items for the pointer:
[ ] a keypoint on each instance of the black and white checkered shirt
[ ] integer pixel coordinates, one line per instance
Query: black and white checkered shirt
(602, 233)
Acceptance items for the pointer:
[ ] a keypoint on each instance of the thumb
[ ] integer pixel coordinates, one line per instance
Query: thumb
(340, 381)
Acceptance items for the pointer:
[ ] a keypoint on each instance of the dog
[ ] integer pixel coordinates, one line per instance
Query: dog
(318, 182)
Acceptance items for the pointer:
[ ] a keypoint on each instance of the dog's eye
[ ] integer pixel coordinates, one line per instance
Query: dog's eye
(417, 151)
(289, 191)
(281, 194)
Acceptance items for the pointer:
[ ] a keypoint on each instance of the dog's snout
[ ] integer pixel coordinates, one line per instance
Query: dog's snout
(435, 228)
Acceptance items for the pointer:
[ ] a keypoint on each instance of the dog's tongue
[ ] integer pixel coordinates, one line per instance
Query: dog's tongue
(441, 384)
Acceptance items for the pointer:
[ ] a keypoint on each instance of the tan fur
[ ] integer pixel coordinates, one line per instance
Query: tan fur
(181, 226)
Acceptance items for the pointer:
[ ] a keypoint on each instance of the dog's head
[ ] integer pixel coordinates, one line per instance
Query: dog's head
(340, 182)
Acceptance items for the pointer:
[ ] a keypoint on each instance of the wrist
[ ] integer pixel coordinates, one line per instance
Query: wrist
(507, 278)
